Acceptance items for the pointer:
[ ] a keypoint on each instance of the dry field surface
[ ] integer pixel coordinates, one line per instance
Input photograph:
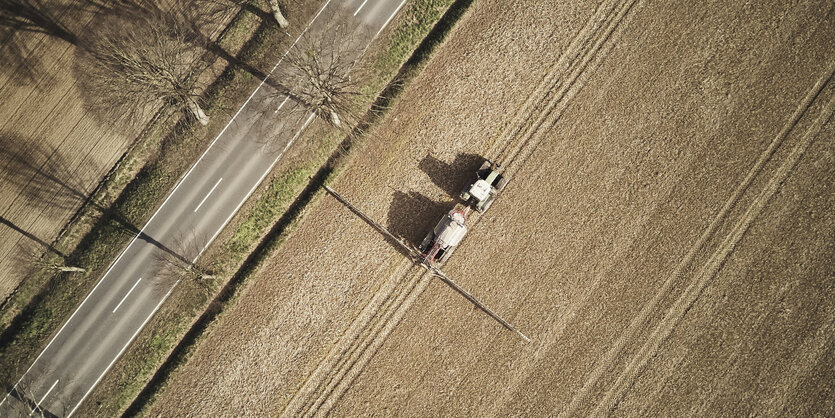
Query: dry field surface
(52, 151)
(667, 238)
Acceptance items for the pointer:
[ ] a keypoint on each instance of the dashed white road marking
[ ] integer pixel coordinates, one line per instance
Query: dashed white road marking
(133, 337)
(209, 194)
(126, 295)
(360, 8)
(38, 405)
(282, 104)
(307, 122)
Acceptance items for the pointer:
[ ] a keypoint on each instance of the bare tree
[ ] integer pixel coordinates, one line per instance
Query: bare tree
(317, 75)
(277, 14)
(134, 62)
(180, 263)
(40, 261)
(224, 6)
(53, 262)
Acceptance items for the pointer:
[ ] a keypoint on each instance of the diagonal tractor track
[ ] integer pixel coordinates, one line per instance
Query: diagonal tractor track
(542, 109)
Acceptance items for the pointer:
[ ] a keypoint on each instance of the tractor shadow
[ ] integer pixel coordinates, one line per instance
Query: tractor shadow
(451, 178)
(412, 215)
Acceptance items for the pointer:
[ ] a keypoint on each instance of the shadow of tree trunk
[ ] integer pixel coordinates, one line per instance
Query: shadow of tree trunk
(37, 16)
(30, 236)
(52, 183)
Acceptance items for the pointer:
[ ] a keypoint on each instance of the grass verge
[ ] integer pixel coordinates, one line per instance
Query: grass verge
(93, 238)
(290, 193)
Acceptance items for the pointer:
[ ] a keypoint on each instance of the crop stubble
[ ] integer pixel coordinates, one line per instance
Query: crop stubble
(658, 149)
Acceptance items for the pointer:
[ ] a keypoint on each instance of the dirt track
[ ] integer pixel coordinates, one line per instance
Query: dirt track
(667, 238)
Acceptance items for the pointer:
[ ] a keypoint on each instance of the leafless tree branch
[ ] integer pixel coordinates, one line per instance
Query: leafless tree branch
(317, 73)
(134, 62)
(181, 264)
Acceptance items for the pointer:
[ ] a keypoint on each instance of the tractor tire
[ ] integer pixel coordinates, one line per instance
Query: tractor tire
(487, 204)
(484, 170)
(500, 185)
(465, 194)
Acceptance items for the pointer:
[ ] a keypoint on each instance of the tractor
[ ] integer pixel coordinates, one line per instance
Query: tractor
(489, 182)
(441, 241)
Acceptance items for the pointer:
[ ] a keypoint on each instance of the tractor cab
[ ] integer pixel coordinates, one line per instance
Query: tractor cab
(489, 182)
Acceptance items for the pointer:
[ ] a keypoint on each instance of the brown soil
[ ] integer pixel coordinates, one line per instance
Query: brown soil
(53, 151)
(667, 237)
(56, 151)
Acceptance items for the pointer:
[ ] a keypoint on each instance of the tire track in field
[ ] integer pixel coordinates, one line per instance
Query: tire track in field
(370, 331)
(332, 377)
(358, 344)
(568, 89)
(607, 17)
(546, 104)
(637, 323)
(711, 267)
(550, 78)
(421, 283)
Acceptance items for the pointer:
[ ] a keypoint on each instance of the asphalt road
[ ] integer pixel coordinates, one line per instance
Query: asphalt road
(198, 208)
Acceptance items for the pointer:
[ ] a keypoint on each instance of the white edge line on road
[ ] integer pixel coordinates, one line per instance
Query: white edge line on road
(252, 190)
(38, 405)
(388, 20)
(126, 295)
(166, 200)
(360, 8)
(141, 327)
(208, 194)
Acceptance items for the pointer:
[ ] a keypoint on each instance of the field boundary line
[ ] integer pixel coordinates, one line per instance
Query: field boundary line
(628, 334)
(683, 304)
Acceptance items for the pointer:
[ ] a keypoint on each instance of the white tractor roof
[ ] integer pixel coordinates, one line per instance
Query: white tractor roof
(481, 189)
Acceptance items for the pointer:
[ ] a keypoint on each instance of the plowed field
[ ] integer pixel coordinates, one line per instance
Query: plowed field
(667, 237)
(52, 152)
